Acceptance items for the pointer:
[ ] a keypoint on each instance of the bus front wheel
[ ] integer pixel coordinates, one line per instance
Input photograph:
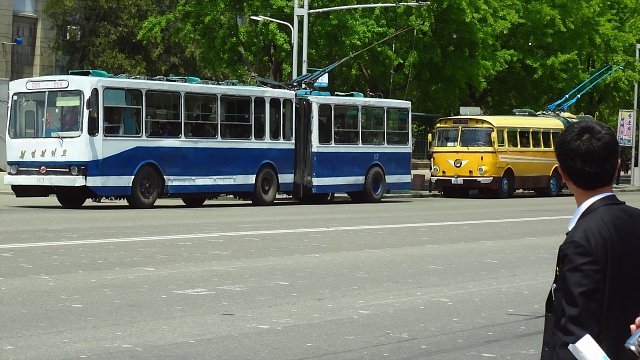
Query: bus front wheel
(375, 185)
(505, 187)
(266, 187)
(70, 199)
(145, 189)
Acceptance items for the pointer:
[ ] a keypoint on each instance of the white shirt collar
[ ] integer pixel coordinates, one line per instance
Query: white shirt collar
(584, 206)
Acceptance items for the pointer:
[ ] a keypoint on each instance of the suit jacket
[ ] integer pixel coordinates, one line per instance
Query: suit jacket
(596, 289)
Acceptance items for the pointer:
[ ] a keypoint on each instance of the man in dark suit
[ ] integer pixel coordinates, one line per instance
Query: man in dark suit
(596, 289)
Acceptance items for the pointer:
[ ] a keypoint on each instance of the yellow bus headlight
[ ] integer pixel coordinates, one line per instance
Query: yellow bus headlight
(482, 169)
(435, 170)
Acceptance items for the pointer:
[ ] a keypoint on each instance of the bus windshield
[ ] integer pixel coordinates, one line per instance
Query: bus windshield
(447, 137)
(475, 137)
(46, 114)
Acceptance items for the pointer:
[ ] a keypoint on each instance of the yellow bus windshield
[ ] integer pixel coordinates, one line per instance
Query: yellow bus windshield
(465, 137)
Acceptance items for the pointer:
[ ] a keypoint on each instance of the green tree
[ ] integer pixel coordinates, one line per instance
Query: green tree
(495, 54)
(104, 35)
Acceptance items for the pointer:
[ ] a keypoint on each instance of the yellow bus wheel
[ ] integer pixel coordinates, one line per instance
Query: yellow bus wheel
(505, 187)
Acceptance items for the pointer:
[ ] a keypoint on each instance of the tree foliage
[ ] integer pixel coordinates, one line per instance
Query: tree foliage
(495, 54)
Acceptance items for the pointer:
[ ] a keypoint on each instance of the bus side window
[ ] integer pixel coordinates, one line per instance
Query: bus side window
(524, 136)
(554, 136)
(275, 112)
(512, 138)
(546, 140)
(500, 136)
(535, 139)
(235, 117)
(122, 109)
(287, 119)
(325, 128)
(372, 126)
(259, 115)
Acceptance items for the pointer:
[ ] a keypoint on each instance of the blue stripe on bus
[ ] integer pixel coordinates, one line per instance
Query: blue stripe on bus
(332, 164)
(332, 171)
(185, 161)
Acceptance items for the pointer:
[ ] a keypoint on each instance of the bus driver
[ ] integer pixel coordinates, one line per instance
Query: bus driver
(69, 121)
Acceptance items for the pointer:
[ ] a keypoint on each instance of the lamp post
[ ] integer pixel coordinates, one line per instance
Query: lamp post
(304, 12)
(294, 40)
(635, 174)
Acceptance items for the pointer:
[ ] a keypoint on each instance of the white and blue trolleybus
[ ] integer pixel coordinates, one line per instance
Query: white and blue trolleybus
(92, 135)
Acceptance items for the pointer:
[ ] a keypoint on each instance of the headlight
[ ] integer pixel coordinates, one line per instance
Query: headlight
(13, 169)
(482, 169)
(435, 170)
(74, 170)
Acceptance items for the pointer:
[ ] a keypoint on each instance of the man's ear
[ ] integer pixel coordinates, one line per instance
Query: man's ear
(564, 177)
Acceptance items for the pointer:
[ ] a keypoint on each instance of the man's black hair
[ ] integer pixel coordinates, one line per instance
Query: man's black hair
(588, 153)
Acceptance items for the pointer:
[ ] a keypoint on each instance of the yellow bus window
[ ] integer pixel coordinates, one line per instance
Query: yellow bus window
(525, 138)
(501, 138)
(512, 138)
(535, 139)
(546, 139)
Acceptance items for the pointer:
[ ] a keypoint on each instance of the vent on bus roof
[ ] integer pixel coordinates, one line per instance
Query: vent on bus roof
(350, 94)
(524, 112)
(94, 73)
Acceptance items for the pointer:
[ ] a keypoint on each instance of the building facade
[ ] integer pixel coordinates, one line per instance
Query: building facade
(25, 39)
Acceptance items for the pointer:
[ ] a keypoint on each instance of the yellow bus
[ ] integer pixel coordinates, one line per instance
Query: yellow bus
(496, 154)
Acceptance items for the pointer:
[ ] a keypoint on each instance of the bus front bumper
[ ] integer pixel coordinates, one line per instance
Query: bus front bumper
(440, 182)
(45, 180)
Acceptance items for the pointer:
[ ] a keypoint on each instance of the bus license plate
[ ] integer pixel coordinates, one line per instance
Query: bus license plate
(456, 181)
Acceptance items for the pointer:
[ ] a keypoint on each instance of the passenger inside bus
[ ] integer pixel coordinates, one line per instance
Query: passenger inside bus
(69, 120)
(112, 120)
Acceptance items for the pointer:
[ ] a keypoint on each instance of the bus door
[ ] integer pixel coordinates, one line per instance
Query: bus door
(502, 149)
(303, 172)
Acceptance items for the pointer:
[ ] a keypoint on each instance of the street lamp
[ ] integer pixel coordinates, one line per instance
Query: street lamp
(294, 40)
(304, 12)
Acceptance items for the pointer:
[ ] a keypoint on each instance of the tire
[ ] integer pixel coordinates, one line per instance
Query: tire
(266, 187)
(318, 198)
(505, 187)
(375, 185)
(71, 199)
(146, 189)
(554, 185)
(193, 201)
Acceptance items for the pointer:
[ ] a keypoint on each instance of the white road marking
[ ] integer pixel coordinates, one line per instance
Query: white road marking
(272, 232)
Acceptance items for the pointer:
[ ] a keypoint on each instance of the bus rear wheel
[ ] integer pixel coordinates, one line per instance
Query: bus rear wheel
(266, 187)
(70, 199)
(145, 189)
(375, 185)
(554, 184)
